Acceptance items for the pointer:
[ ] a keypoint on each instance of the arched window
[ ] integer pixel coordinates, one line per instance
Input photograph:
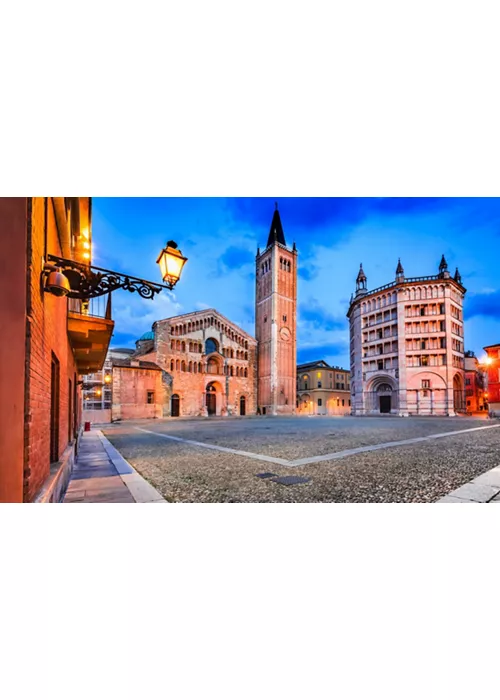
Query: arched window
(232, 353)
(190, 367)
(178, 345)
(231, 371)
(183, 366)
(237, 371)
(171, 365)
(172, 345)
(246, 356)
(195, 367)
(183, 347)
(199, 367)
(246, 372)
(211, 345)
(177, 365)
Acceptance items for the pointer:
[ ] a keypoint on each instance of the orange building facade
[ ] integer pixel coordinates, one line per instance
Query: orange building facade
(52, 340)
(493, 375)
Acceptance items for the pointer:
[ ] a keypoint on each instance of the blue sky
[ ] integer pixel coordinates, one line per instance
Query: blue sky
(220, 237)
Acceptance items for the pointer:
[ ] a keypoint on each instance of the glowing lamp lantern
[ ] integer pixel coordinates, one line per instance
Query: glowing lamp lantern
(107, 378)
(171, 262)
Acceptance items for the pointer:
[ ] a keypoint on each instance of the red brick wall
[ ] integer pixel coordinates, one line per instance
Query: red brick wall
(276, 286)
(130, 387)
(46, 334)
(12, 349)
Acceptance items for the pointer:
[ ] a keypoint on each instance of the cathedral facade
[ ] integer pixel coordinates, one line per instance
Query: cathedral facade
(203, 364)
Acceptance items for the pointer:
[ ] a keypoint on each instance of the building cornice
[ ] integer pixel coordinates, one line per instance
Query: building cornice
(407, 282)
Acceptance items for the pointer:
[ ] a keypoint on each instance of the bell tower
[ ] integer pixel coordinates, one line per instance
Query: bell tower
(276, 323)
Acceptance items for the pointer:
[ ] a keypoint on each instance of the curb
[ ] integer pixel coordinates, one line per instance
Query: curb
(140, 489)
(482, 489)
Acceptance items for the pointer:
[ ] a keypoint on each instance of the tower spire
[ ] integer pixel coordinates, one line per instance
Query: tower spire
(276, 234)
(361, 281)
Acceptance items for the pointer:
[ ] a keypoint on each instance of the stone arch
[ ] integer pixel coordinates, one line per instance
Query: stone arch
(213, 365)
(214, 397)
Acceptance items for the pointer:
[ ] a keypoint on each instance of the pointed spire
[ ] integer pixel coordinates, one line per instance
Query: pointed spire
(399, 269)
(458, 276)
(443, 265)
(276, 234)
(361, 274)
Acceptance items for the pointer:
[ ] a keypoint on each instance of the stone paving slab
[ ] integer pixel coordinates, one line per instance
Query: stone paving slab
(485, 488)
(101, 475)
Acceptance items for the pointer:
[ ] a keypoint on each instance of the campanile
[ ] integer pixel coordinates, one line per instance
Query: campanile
(276, 323)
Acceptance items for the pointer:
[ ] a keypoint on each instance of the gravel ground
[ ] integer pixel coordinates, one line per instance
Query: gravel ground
(296, 438)
(414, 473)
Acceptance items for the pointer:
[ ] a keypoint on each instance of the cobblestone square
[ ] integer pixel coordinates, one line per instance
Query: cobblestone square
(347, 459)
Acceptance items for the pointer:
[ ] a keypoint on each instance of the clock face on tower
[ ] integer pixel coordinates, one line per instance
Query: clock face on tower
(285, 334)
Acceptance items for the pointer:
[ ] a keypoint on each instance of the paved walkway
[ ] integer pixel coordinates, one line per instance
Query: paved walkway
(101, 475)
(483, 489)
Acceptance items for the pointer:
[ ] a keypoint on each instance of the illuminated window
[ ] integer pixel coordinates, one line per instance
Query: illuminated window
(151, 397)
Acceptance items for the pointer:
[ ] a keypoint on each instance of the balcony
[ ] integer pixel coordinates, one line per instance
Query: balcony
(90, 328)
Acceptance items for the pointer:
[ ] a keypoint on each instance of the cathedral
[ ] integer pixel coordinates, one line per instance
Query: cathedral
(202, 364)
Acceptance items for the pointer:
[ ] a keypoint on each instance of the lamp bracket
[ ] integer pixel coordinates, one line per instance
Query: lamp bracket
(88, 281)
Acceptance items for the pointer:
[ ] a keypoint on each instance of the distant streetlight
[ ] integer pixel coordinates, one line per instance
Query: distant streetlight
(171, 262)
(107, 378)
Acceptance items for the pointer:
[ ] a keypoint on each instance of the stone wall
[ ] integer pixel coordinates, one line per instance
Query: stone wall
(190, 370)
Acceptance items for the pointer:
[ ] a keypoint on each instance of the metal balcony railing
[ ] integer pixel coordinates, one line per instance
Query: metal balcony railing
(97, 307)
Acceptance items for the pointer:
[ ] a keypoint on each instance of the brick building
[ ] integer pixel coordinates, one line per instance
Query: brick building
(195, 364)
(276, 322)
(323, 390)
(407, 345)
(474, 384)
(493, 376)
(52, 340)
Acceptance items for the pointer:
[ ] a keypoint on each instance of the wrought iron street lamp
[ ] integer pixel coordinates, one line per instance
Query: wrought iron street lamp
(78, 280)
(171, 262)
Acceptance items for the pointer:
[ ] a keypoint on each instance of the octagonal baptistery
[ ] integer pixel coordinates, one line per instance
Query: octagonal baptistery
(407, 345)
(211, 362)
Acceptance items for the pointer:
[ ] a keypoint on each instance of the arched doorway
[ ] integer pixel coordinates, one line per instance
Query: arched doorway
(384, 393)
(243, 406)
(213, 400)
(175, 406)
(458, 394)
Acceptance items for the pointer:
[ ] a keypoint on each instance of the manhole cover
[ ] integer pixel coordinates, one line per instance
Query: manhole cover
(291, 480)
